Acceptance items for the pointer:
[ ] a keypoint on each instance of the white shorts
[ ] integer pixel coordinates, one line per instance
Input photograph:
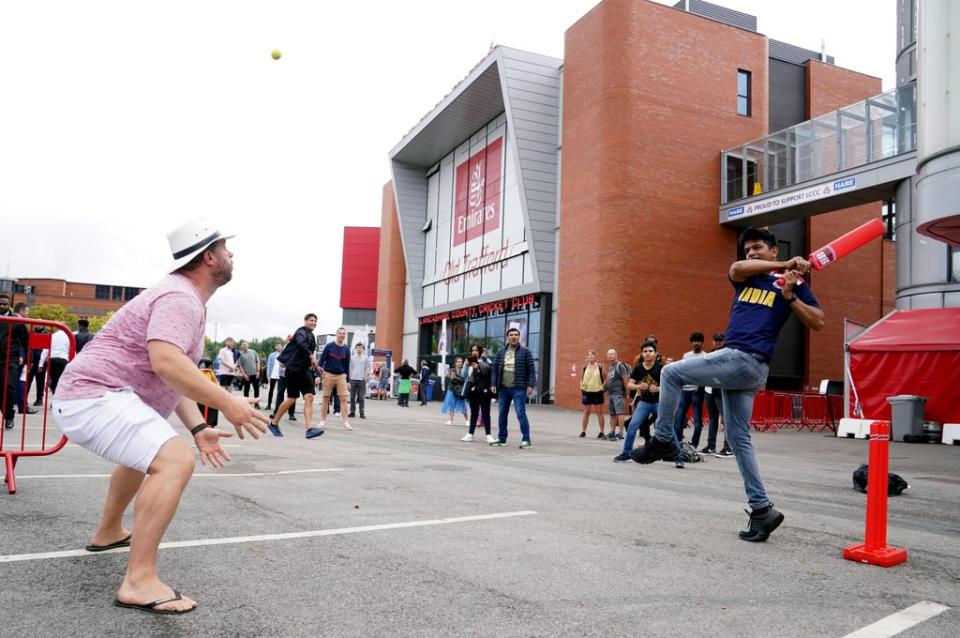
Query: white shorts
(117, 426)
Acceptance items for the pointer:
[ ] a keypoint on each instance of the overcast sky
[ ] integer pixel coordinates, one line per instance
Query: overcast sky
(120, 120)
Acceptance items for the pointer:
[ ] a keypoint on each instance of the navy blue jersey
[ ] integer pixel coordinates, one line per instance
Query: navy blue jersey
(759, 312)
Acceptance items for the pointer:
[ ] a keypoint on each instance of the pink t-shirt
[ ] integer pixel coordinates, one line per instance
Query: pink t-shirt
(170, 311)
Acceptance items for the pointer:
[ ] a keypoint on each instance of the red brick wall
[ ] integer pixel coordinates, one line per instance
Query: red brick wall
(649, 102)
(392, 279)
(855, 286)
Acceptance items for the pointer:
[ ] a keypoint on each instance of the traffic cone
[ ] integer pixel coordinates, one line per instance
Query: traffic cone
(874, 550)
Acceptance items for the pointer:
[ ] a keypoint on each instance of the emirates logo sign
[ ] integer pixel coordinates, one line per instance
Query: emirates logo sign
(477, 207)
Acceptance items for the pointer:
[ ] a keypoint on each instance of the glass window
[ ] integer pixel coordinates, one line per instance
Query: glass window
(743, 92)
(478, 330)
(117, 293)
(534, 323)
(533, 342)
(130, 293)
(102, 292)
(461, 343)
(955, 265)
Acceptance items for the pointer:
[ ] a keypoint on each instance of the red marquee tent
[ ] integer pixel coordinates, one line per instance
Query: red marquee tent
(909, 352)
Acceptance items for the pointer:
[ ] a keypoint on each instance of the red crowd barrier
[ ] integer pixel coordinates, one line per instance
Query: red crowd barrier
(810, 410)
(874, 549)
(10, 354)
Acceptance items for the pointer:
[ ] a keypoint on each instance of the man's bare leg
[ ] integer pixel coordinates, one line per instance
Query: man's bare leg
(286, 405)
(308, 411)
(156, 504)
(124, 483)
(344, 401)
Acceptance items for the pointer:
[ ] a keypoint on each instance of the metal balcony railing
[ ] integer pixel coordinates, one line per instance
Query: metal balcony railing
(877, 128)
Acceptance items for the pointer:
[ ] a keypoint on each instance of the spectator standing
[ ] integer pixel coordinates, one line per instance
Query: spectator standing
(714, 399)
(248, 367)
(359, 371)
(691, 394)
(513, 380)
(59, 357)
(38, 371)
(424, 382)
(273, 371)
(280, 371)
(618, 375)
(478, 393)
(83, 335)
(15, 336)
(405, 371)
(453, 400)
(384, 383)
(228, 365)
(334, 362)
(591, 393)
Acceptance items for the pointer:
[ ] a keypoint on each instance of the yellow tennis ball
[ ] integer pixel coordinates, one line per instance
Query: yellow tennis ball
(275, 54)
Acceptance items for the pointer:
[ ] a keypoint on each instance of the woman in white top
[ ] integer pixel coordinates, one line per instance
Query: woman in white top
(228, 366)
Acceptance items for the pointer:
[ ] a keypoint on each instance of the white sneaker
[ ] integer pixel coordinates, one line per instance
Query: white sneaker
(490, 438)
(322, 424)
(449, 423)
(346, 426)
(467, 438)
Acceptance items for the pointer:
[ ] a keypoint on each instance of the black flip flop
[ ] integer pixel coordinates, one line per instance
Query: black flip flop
(123, 542)
(152, 607)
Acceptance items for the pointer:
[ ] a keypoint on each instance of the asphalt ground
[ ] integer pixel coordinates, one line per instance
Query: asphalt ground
(395, 539)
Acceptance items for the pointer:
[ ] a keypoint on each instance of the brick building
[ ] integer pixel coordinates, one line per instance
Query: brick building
(83, 300)
(577, 199)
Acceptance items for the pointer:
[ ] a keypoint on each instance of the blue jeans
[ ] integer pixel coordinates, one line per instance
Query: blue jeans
(688, 398)
(739, 375)
(519, 398)
(640, 414)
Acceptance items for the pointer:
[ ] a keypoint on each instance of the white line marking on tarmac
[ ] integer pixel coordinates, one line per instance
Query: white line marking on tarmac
(12, 558)
(900, 621)
(198, 475)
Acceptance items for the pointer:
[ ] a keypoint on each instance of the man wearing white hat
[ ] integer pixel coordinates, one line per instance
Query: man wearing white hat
(115, 397)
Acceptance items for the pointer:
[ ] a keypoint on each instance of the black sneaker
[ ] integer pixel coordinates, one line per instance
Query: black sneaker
(761, 525)
(582, 435)
(623, 457)
(8, 424)
(363, 416)
(725, 453)
(602, 436)
(654, 451)
(351, 415)
(291, 418)
(708, 450)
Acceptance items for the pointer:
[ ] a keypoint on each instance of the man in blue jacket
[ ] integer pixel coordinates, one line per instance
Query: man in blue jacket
(514, 377)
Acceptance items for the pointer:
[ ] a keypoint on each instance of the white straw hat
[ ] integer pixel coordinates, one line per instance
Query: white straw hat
(190, 239)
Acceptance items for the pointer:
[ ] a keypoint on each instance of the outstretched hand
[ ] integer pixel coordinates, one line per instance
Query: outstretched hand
(208, 443)
(245, 418)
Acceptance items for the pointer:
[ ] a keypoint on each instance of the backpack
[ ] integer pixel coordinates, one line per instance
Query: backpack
(689, 454)
(895, 483)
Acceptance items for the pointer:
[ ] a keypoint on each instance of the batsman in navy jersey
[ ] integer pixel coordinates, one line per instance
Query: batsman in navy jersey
(766, 292)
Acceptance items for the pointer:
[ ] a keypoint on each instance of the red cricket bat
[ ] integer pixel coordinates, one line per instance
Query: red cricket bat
(844, 245)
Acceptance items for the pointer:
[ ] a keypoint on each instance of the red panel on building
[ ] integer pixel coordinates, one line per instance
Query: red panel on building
(361, 264)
